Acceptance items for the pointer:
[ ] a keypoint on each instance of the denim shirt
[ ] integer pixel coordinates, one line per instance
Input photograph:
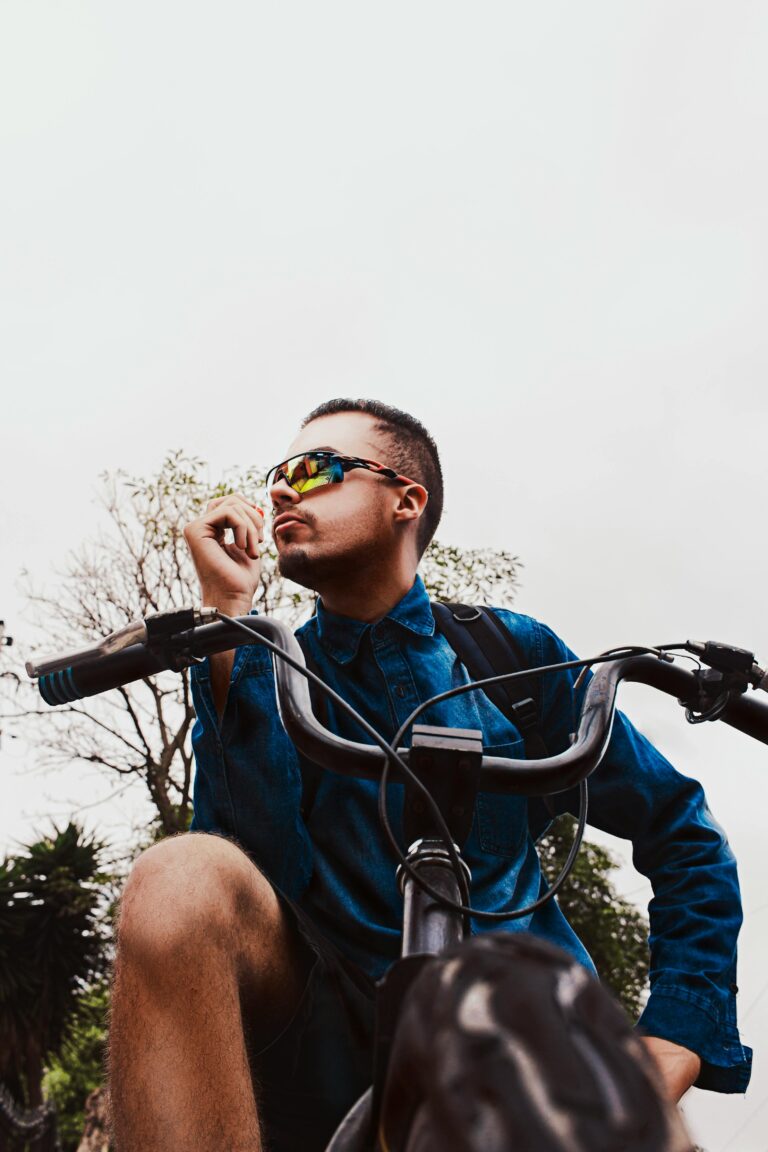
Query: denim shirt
(334, 862)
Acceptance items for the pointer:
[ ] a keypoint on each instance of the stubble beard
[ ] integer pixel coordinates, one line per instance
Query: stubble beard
(296, 565)
(313, 572)
(319, 572)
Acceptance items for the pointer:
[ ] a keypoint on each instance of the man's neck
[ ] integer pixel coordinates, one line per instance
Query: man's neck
(364, 599)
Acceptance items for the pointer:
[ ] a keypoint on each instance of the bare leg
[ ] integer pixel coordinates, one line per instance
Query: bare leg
(200, 928)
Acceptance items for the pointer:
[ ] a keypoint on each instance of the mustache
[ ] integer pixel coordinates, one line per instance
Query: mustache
(302, 515)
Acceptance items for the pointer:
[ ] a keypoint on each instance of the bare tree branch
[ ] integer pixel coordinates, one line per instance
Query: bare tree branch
(139, 564)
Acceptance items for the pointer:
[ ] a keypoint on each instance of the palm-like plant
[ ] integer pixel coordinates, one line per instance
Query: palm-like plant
(52, 948)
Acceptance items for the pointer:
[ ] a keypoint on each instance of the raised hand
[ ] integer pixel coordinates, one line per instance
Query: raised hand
(228, 570)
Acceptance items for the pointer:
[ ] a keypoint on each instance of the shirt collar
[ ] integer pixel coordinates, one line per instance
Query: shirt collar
(341, 635)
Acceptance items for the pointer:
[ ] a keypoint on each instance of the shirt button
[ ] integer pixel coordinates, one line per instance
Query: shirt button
(734, 988)
(400, 690)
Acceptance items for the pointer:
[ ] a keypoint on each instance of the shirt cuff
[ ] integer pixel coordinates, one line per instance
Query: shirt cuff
(688, 1018)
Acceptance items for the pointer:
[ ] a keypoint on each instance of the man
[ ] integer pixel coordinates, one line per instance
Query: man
(243, 991)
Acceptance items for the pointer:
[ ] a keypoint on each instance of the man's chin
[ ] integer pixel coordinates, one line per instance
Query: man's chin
(295, 564)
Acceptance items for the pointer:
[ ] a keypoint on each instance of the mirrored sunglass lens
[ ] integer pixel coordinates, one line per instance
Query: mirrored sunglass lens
(307, 472)
(314, 481)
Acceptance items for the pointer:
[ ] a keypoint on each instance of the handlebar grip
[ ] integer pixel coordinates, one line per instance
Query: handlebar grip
(90, 677)
(80, 674)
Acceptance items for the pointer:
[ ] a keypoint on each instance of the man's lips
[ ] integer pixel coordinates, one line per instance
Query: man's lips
(286, 520)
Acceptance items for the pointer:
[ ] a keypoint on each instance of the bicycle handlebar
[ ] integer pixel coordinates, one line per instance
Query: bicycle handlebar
(65, 679)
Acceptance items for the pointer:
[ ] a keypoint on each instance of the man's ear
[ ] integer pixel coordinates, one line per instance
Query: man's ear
(412, 500)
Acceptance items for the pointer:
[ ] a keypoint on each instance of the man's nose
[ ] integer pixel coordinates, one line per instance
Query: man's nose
(281, 494)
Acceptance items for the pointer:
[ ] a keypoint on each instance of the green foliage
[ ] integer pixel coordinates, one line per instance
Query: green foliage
(52, 948)
(614, 932)
(78, 1069)
(470, 575)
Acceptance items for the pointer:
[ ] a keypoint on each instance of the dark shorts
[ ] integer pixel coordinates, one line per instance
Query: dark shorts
(315, 1070)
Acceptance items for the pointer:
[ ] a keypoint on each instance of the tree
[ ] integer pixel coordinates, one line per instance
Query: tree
(613, 931)
(77, 1069)
(139, 564)
(52, 950)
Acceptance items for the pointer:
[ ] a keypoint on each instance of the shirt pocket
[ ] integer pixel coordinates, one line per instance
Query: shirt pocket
(502, 821)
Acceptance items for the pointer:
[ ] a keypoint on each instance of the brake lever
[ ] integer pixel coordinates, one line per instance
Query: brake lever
(738, 664)
(729, 672)
(169, 635)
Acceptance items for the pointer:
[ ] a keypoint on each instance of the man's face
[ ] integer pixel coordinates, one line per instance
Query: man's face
(323, 534)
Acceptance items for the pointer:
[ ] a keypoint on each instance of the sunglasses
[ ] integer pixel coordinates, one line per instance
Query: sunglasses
(314, 469)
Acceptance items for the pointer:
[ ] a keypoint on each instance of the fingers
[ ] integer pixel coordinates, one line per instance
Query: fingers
(243, 517)
(228, 571)
(232, 496)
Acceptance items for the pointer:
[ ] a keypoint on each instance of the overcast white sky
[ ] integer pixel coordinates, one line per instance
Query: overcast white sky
(542, 229)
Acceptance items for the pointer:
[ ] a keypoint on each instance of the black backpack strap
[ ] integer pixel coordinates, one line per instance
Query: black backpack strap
(486, 647)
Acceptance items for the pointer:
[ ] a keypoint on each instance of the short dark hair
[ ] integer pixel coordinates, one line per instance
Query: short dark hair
(410, 449)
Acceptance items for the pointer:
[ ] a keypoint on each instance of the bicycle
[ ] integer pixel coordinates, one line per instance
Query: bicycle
(443, 770)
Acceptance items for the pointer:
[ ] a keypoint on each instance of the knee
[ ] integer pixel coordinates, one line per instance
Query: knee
(185, 895)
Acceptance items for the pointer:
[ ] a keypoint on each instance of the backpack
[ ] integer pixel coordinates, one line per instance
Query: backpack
(486, 647)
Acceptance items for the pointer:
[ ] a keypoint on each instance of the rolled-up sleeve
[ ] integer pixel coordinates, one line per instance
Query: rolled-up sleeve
(695, 914)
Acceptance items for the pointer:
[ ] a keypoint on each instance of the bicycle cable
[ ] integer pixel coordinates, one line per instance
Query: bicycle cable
(479, 914)
(388, 749)
(393, 757)
(563, 665)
